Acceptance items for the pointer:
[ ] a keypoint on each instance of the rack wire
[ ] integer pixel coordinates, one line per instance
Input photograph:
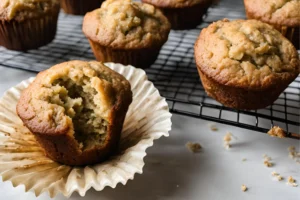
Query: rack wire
(174, 73)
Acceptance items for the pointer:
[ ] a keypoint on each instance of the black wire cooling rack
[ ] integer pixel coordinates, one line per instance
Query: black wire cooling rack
(174, 73)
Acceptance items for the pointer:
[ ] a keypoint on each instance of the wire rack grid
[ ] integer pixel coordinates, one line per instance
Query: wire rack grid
(174, 73)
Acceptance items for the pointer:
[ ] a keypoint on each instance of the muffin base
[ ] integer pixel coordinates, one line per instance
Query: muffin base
(80, 7)
(141, 58)
(185, 18)
(28, 34)
(240, 98)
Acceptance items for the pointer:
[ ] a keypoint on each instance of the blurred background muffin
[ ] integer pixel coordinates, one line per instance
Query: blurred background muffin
(245, 64)
(182, 14)
(27, 24)
(126, 32)
(281, 14)
(80, 7)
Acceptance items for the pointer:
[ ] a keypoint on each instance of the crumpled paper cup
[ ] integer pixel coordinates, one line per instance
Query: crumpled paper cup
(22, 160)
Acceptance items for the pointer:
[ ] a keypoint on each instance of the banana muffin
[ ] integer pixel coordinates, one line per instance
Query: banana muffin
(80, 7)
(27, 24)
(245, 64)
(76, 111)
(126, 32)
(182, 14)
(281, 14)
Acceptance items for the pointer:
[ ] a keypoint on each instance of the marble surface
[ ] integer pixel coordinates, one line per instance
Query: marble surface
(173, 173)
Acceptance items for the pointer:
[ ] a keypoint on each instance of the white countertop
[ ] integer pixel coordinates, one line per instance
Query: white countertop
(173, 173)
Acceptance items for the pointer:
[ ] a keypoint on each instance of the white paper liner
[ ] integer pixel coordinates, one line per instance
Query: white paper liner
(22, 161)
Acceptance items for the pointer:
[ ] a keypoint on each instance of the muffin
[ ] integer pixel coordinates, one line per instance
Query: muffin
(126, 32)
(182, 14)
(282, 15)
(27, 24)
(245, 64)
(80, 7)
(76, 111)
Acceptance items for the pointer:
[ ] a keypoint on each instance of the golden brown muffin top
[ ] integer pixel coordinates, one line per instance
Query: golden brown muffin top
(123, 24)
(246, 53)
(175, 3)
(20, 9)
(56, 96)
(280, 12)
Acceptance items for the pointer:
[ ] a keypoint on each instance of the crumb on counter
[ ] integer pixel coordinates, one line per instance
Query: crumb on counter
(294, 154)
(244, 159)
(268, 164)
(279, 178)
(277, 175)
(227, 138)
(267, 160)
(213, 127)
(276, 131)
(291, 181)
(193, 147)
(244, 188)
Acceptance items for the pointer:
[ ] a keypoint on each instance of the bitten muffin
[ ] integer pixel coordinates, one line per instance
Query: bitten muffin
(245, 64)
(27, 24)
(281, 14)
(182, 14)
(126, 32)
(80, 7)
(76, 111)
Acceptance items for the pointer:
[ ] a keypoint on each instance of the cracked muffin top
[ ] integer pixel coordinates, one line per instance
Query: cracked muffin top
(175, 3)
(75, 91)
(281, 12)
(246, 53)
(24, 9)
(123, 24)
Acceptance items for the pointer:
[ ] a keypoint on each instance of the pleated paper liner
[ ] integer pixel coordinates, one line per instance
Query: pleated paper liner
(22, 161)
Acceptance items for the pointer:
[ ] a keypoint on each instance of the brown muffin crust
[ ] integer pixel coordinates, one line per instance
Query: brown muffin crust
(174, 3)
(279, 12)
(20, 10)
(76, 111)
(245, 55)
(123, 24)
(79, 7)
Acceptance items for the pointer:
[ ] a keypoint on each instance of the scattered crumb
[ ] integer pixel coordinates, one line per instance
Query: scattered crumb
(193, 147)
(267, 160)
(279, 178)
(177, 185)
(213, 127)
(275, 173)
(276, 131)
(244, 188)
(268, 164)
(291, 181)
(244, 159)
(294, 154)
(227, 138)
(266, 157)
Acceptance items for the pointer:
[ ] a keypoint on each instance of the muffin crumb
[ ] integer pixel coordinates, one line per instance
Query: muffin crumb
(291, 181)
(277, 175)
(267, 160)
(244, 188)
(276, 131)
(244, 159)
(293, 154)
(227, 138)
(213, 127)
(193, 147)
